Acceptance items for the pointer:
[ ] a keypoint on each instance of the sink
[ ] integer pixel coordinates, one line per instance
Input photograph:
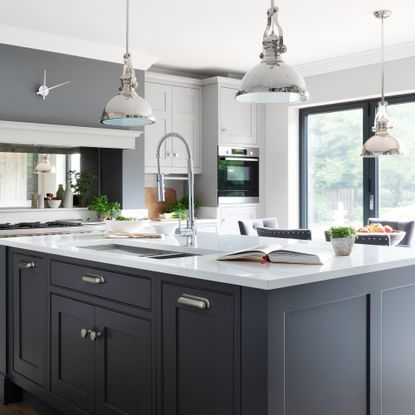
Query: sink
(138, 251)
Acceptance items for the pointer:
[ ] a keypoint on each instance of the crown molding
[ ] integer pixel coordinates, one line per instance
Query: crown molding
(369, 57)
(24, 133)
(72, 46)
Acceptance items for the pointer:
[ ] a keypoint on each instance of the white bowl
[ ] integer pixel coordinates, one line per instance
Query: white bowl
(165, 227)
(396, 237)
(127, 226)
(54, 204)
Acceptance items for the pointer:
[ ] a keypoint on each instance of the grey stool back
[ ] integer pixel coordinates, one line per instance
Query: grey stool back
(373, 240)
(367, 239)
(248, 227)
(407, 226)
(303, 234)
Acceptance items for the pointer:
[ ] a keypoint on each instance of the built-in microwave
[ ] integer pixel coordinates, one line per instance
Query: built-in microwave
(238, 175)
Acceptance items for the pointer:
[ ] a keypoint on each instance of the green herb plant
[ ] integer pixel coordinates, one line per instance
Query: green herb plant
(125, 218)
(180, 207)
(342, 232)
(81, 182)
(103, 206)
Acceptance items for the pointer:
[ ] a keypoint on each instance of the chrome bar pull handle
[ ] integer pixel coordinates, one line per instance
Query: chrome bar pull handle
(93, 279)
(93, 335)
(194, 301)
(85, 333)
(26, 264)
(371, 202)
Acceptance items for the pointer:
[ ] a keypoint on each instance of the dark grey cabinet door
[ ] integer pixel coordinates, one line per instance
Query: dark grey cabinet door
(123, 364)
(398, 351)
(72, 356)
(29, 325)
(198, 354)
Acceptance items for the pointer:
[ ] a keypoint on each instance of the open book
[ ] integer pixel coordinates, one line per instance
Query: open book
(290, 254)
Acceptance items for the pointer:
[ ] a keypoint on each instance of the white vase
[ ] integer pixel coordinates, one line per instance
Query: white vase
(68, 197)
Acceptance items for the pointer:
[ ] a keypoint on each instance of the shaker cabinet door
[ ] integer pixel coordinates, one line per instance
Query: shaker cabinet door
(237, 119)
(186, 121)
(123, 364)
(29, 317)
(198, 352)
(160, 99)
(73, 353)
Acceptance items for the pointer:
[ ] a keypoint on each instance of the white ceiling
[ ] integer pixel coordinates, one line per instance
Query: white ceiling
(218, 35)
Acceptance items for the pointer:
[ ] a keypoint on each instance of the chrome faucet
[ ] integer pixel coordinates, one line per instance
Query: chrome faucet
(189, 232)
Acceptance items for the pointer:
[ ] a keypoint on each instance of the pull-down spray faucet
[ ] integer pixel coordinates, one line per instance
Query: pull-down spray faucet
(189, 232)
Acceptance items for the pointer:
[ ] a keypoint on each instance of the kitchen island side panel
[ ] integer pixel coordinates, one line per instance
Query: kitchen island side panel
(3, 308)
(343, 346)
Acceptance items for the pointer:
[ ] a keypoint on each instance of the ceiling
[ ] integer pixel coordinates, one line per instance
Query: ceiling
(220, 36)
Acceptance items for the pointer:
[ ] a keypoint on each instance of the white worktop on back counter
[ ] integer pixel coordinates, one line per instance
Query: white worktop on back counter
(364, 258)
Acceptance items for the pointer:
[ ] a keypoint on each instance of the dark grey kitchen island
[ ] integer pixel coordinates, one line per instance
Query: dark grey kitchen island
(92, 332)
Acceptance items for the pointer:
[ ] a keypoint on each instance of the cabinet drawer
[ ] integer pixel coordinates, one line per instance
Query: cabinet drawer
(124, 288)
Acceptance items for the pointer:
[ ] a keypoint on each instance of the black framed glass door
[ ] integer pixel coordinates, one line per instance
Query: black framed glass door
(337, 185)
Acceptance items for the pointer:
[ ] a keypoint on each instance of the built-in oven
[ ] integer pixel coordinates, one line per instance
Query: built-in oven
(238, 175)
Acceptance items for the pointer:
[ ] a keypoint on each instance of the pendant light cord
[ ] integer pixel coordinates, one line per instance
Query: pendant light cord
(383, 60)
(127, 27)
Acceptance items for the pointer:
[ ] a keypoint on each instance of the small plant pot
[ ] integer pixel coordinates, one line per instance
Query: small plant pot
(83, 200)
(342, 246)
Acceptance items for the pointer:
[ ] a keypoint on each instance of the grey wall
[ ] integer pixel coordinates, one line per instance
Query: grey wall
(80, 103)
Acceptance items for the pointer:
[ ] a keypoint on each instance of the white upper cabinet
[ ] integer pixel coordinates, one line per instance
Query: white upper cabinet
(237, 121)
(176, 106)
(160, 99)
(186, 121)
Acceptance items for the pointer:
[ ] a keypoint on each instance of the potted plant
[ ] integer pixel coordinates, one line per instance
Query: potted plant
(180, 208)
(103, 207)
(342, 239)
(81, 184)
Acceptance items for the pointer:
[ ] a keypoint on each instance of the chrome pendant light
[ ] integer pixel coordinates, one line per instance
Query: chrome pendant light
(382, 143)
(273, 81)
(127, 109)
(44, 165)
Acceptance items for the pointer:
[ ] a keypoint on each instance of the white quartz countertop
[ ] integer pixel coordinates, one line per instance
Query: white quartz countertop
(268, 276)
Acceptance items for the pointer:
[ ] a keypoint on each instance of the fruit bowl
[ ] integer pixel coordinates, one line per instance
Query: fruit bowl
(54, 203)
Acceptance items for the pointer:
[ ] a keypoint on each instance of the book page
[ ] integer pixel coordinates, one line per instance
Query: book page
(256, 251)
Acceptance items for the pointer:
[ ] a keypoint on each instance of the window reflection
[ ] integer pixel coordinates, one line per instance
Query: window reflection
(18, 180)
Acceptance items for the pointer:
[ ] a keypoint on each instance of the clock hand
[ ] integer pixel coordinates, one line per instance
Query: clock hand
(57, 86)
(43, 89)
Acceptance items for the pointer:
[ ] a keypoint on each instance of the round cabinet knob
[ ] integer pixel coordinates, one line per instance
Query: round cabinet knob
(85, 333)
(168, 154)
(224, 130)
(94, 335)
(176, 154)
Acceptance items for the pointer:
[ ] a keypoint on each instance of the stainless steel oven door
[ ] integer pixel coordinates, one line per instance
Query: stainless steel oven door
(238, 179)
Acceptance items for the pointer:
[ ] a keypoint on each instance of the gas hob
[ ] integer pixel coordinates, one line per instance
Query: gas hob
(8, 230)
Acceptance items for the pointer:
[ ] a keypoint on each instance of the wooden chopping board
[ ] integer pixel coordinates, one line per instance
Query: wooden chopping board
(155, 208)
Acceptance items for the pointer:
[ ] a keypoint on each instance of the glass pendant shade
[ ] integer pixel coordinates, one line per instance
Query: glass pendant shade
(272, 80)
(127, 109)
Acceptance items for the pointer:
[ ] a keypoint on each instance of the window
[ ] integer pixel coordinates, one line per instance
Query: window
(397, 174)
(338, 186)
